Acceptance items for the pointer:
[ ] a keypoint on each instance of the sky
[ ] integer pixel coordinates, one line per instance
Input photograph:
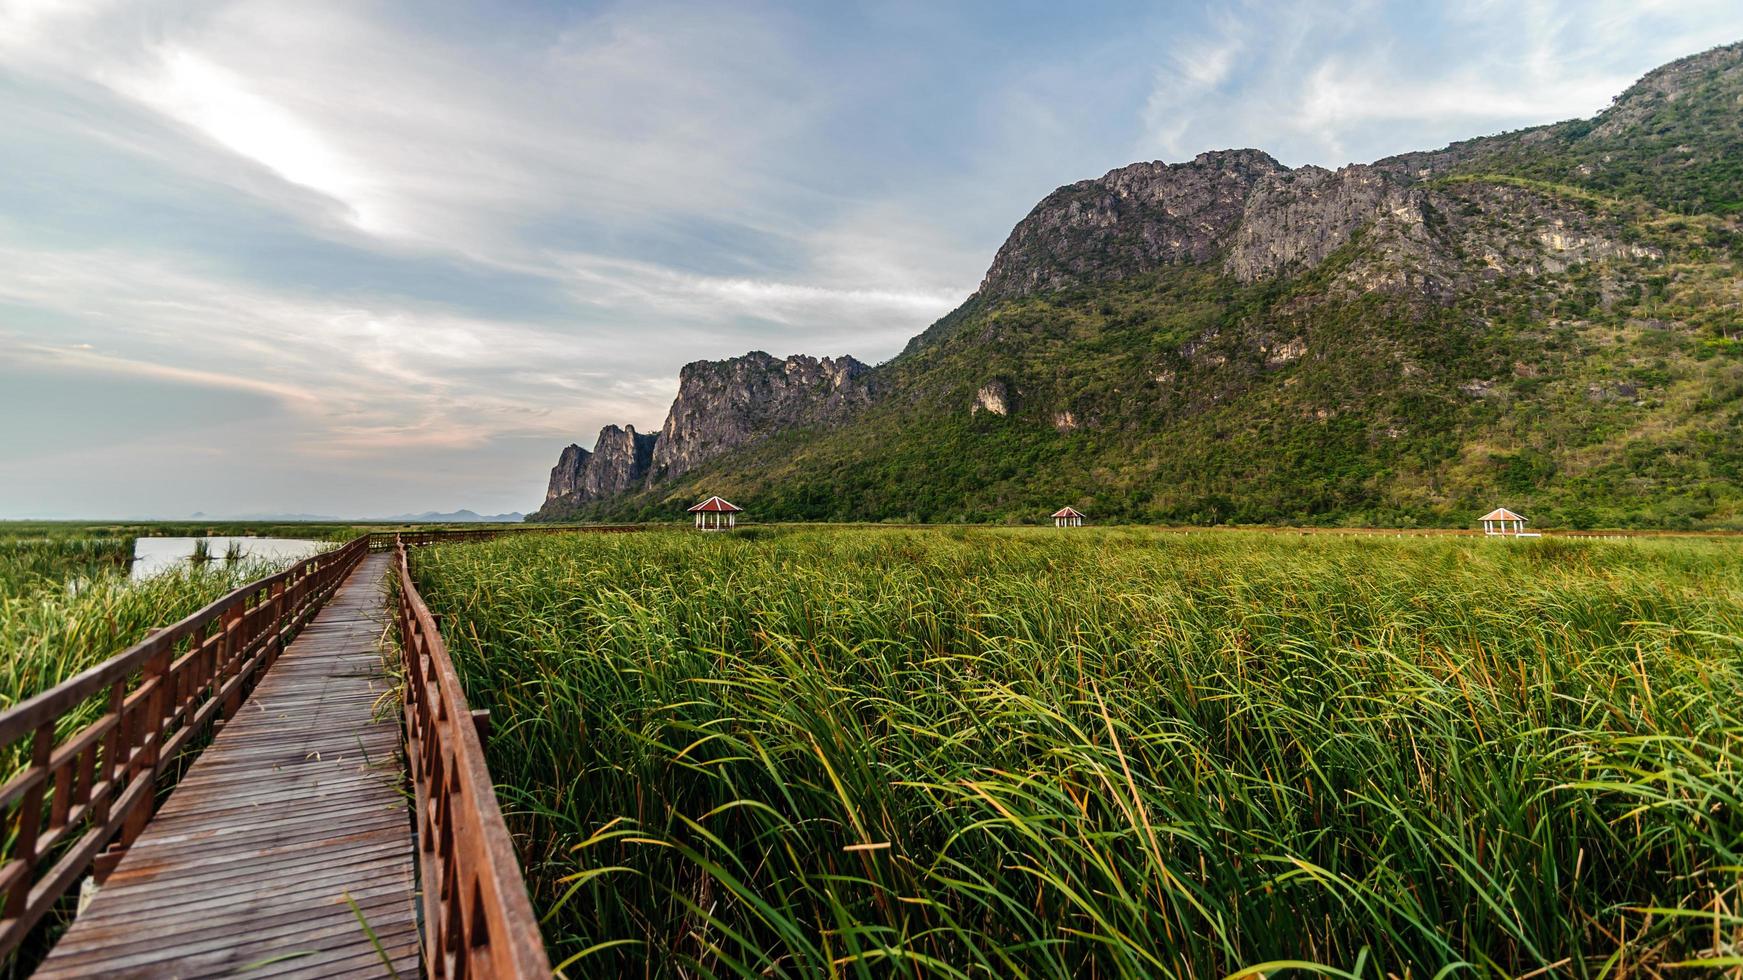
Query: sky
(363, 258)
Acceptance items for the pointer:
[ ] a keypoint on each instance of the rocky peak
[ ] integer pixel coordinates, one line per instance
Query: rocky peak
(619, 462)
(566, 475)
(725, 404)
(1129, 221)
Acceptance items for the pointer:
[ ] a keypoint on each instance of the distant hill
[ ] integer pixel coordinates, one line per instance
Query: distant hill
(455, 517)
(1546, 319)
(427, 517)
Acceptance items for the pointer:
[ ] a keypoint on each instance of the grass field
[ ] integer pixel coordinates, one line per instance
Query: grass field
(1112, 752)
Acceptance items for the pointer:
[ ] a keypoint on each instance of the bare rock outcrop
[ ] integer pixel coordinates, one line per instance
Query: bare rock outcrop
(1128, 222)
(1295, 218)
(721, 406)
(994, 397)
(618, 462)
(725, 404)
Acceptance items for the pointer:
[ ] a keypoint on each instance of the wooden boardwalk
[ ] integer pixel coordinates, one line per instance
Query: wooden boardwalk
(297, 810)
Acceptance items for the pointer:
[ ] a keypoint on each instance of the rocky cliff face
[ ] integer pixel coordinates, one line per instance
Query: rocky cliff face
(566, 475)
(618, 463)
(1671, 139)
(1261, 220)
(1240, 208)
(1129, 222)
(1293, 219)
(725, 404)
(721, 405)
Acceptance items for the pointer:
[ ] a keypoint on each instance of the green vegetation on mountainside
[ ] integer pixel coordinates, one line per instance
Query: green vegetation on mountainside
(1609, 395)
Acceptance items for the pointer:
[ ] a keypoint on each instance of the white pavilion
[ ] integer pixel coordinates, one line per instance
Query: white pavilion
(1502, 522)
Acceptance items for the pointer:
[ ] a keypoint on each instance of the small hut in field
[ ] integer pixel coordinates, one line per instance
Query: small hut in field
(1067, 517)
(1502, 522)
(716, 514)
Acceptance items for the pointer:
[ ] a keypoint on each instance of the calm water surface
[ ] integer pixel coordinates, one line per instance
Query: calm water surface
(153, 556)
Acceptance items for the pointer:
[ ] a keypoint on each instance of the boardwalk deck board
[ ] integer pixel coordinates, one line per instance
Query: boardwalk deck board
(298, 803)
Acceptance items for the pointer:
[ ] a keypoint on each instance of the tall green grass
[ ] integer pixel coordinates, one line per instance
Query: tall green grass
(1112, 753)
(52, 632)
(30, 563)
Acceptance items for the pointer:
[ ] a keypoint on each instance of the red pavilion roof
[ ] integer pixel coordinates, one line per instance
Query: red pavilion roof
(715, 505)
(1066, 512)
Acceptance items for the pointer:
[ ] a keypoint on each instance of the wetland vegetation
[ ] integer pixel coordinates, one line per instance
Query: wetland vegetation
(1119, 752)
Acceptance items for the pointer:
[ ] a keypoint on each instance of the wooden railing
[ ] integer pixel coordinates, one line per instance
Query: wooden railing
(478, 921)
(96, 786)
(387, 540)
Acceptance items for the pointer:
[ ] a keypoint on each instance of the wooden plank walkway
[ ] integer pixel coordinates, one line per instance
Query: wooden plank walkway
(297, 805)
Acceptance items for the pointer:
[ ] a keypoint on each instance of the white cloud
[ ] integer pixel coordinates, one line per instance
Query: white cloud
(27, 25)
(1327, 83)
(622, 117)
(1342, 93)
(847, 313)
(218, 103)
(361, 378)
(85, 359)
(704, 317)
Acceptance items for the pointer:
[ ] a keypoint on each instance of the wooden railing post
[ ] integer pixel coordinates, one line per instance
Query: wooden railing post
(275, 601)
(30, 818)
(231, 625)
(149, 716)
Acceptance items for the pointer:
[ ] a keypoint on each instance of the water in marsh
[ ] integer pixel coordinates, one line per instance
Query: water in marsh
(152, 556)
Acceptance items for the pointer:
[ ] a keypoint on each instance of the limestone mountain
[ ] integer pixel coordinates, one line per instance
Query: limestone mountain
(1547, 318)
(618, 463)
(721, 405)
(725, 404)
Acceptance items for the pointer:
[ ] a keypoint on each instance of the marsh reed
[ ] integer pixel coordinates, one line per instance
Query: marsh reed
(1114, 752)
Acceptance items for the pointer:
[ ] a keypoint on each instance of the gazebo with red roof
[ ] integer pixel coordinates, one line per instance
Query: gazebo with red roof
(1067, 517)
(716, 514)
(1502, 522)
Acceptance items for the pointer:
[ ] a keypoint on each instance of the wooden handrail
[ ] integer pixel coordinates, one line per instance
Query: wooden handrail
(478, 921)
(99, 782)
(387, 540)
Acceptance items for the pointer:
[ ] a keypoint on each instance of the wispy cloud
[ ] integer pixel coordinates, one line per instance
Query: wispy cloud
(373, 377)
(1332, 83)
(85, 359)
(869, 321)
(418, 247)
(219, 104)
